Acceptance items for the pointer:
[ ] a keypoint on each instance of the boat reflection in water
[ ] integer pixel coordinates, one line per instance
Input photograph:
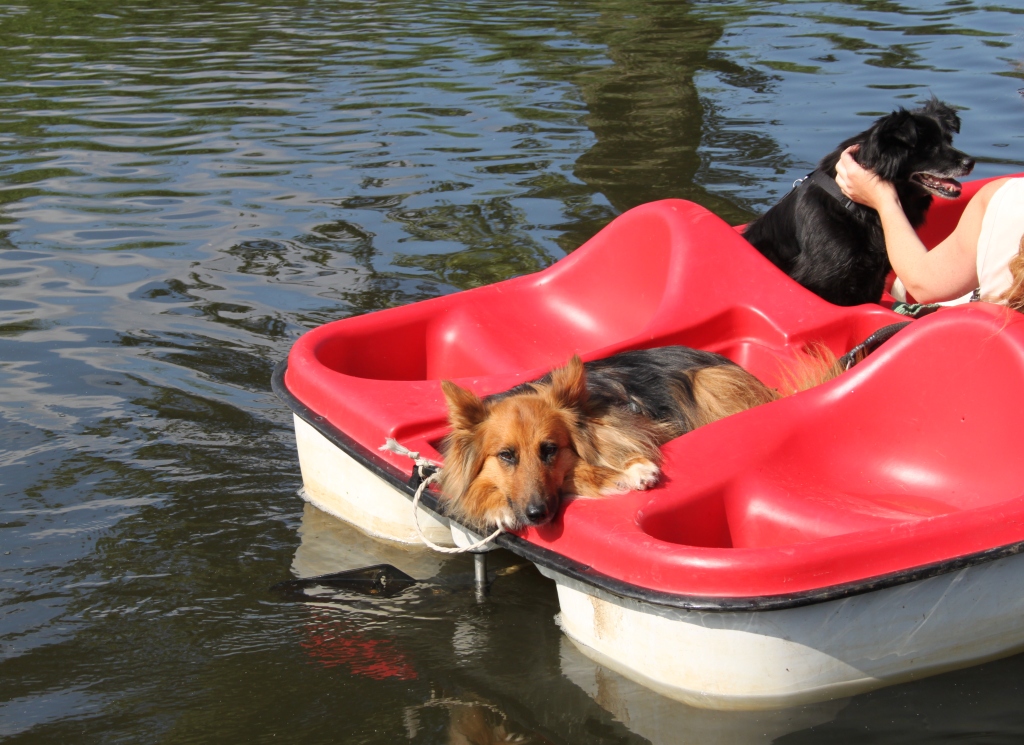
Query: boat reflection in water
(329, 545)
(665, 721)
(479, 664)
(476, 667)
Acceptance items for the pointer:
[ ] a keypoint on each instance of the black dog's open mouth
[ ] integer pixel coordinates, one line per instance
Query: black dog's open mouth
(946, 188)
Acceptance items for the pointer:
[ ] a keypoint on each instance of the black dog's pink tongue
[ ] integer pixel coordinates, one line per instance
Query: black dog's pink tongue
(944, 187)
(952, 186)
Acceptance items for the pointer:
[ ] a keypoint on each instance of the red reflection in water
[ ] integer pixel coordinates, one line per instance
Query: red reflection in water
(332, 643)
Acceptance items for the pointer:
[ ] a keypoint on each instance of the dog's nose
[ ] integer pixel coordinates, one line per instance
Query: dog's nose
(537, 512)
(968, 164)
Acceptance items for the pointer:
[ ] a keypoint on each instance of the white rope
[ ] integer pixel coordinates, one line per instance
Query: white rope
(394, 446)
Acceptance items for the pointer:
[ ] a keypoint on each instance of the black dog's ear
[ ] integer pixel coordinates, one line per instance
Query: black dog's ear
(944, 114)
(899, 128)
(888, 144)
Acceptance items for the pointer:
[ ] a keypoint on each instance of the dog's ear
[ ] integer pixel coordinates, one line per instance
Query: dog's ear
(888, 144)
(899, 128)
(944, 114)
(569, 384)
(462, 457)
(465, 408)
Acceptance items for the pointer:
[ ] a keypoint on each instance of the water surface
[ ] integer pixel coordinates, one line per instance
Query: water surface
(185, 188)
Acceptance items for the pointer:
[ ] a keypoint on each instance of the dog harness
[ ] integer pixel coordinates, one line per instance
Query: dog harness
(822, 180)
(869, 345)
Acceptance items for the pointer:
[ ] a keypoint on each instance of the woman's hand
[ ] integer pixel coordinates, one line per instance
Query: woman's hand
(947, 271)
(861, 185)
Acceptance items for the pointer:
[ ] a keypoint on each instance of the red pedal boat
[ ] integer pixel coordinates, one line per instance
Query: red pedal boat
(861, 533)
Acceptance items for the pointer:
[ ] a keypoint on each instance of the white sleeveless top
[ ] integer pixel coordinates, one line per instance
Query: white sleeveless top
(1001, 229)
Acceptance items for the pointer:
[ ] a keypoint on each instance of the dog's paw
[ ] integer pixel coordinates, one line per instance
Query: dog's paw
(641, 475)
(637, 477)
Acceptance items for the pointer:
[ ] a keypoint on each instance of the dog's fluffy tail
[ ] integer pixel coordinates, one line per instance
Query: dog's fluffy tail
(723, 390)
(815, 364)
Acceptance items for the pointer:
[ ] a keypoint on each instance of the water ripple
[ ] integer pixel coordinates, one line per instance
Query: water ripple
(186, 188)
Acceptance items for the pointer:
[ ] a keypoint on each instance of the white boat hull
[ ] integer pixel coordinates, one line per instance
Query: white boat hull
(837, 648)
(338, 484)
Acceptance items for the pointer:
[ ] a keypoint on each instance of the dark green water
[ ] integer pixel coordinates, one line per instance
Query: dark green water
(187, 187)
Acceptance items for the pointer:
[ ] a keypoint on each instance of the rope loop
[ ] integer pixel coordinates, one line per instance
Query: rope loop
(429, 472)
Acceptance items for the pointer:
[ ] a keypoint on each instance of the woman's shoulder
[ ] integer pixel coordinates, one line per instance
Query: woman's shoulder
(978, 206)
(1005, 196)
(1013, 185)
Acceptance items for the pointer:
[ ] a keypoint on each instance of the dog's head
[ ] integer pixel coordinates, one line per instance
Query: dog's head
(508, 455)
(916, 147)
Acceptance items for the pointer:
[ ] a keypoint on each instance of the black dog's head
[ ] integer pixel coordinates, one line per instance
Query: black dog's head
(914, 148)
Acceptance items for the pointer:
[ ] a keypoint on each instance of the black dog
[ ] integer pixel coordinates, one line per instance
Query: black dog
(835, 247)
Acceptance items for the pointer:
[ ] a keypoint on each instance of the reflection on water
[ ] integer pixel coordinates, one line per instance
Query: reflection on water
(488, 670)
(663, 721)
(329, 545)
(185, 188)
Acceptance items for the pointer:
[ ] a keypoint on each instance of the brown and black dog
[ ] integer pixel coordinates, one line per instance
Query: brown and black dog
(591, 429)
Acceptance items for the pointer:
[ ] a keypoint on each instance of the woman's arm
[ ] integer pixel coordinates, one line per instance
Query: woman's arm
(947, 271)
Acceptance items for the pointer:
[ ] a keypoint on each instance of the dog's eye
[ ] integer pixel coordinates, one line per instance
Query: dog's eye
(548, 451)
(508, 456)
